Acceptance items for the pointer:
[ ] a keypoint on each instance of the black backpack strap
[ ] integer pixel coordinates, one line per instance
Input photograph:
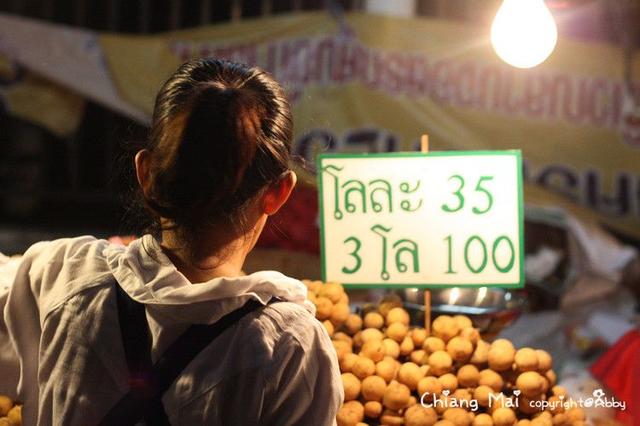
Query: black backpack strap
(148, 383)
(136, 341)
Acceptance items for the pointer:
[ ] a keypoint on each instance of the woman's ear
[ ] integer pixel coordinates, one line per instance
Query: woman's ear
(142, 170)
(278, 193)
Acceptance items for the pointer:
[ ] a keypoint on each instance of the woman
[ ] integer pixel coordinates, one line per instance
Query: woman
(216, 166)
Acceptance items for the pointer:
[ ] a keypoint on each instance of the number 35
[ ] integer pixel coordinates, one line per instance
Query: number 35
(460, 198)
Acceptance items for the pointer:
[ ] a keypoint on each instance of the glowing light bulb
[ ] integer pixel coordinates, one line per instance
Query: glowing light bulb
(523, 33)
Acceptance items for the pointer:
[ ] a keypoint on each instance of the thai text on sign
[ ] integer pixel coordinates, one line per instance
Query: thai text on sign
(416, 219)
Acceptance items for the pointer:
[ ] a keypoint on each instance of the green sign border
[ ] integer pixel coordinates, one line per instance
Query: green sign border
(515, 152)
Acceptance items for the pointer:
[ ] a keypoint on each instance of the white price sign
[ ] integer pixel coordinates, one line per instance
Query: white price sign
(416, 219)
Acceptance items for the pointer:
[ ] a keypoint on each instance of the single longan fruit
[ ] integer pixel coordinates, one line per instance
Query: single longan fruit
(353, 324)
(373, 320)
(329, 327)
(503, 343)
(524, 422)
(387, 369)
(471, 334)
(463, 321)
(372, 409)
(463, 395)
(324, 307)
(332, 291)
(371, 334)
(388, 303)
(398, 315)
(344, 299)
(460, 349)
(391, 418)
(397, 331)
(559, 390)
(543, 421)
(429, 385)
(343, 336)
(468, 376)
(339, 314)
(528, 406)
(418, 357)
(347, 362)
(410, 374)
(545, 385)
(492, 379)
(457, 416)
(544, 414)
(357, 339)
(526, 359)
(406, 347)
(314, 286)
(432, 344)
(351, 386)
(418, 415)
(481, 394)
(530, 384)
(500, 400)
(418, 335)
(444, 423)
(363, 368)
(483, 420)
(373, 388)
(374, 350)
(391, 347)
(445, 327)
(424, 368)
(575, 414)
(350, 414)
(501, 357)
(440, 362)
(449, 382)
(555, 405)
(15, 415)
(342, 348)
(504, 417)
(545, 362)
(550, 375)
(396, 396)
(5, 405)
(560, 419)
(480, 356)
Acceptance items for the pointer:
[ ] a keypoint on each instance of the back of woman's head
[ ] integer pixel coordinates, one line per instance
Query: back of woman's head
(221, 133)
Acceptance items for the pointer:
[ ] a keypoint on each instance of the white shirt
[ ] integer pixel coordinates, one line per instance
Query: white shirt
(276, 366)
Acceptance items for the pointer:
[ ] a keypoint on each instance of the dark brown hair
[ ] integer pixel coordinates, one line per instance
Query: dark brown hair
(221, 133)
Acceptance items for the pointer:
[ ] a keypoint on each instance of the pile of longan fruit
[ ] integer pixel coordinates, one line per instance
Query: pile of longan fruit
(10, 412)
(387, 365)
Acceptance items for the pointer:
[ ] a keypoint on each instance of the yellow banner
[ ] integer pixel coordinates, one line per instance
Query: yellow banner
(35, 99)
(383, 82)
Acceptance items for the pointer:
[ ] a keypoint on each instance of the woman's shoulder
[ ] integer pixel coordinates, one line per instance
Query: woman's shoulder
(64, 248)
(292, 322)
(55, 269)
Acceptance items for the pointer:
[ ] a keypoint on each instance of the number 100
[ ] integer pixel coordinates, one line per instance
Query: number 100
(478, 267)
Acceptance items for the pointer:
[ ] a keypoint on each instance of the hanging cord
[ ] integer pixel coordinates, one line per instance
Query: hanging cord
(625, 14)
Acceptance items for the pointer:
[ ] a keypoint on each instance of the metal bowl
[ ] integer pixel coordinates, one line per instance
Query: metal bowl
(490, 309)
